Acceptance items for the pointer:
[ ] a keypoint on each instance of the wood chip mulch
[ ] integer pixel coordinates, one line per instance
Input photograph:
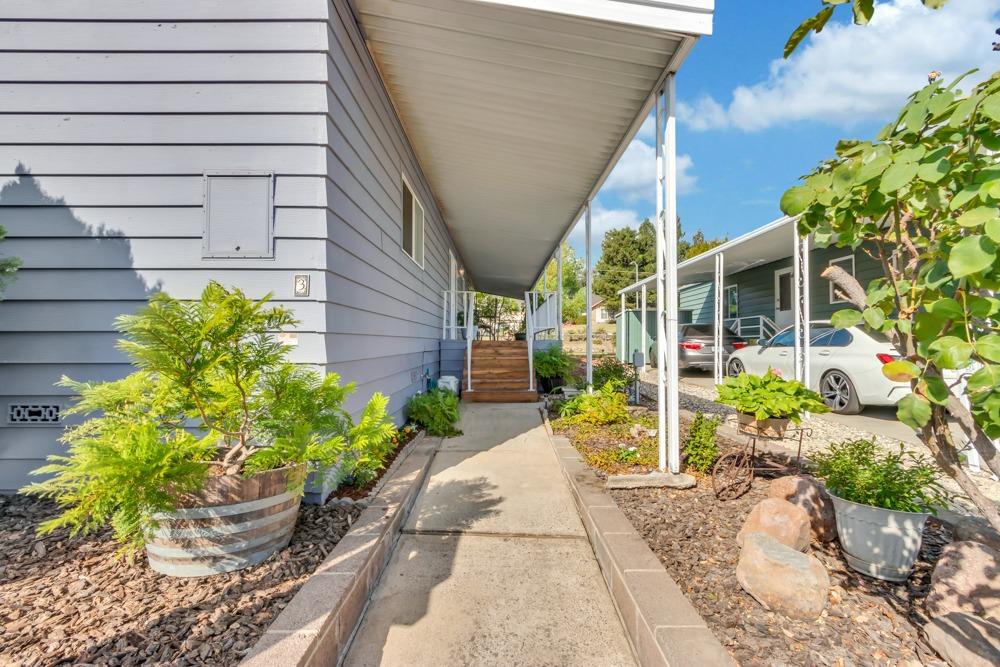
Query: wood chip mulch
(866, 622)
(73, 601)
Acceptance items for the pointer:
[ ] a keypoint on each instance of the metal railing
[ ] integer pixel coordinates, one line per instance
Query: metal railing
(453, 303)
(753, 326)
(540, 314)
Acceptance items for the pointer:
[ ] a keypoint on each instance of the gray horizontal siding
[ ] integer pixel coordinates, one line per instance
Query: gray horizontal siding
(110, 113)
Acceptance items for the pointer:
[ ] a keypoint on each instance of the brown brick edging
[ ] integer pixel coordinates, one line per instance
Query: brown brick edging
(662, 625)
(316, 626)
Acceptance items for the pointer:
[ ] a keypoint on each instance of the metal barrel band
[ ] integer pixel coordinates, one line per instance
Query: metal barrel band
(217, 511)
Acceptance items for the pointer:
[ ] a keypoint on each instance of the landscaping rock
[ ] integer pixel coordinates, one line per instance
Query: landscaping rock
(975, 529)
(965, 640)
(966, 579)
(785, 522)
(811, 496)
(639, 431)
(782, 579)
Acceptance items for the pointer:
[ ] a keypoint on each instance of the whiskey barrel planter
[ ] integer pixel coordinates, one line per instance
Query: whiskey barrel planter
(234, 522)
(773, 427)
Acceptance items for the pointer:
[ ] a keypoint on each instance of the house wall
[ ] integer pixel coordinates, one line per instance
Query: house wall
(109, 115)
(756, 286)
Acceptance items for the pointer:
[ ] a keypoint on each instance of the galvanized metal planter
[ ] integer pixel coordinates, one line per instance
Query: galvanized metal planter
(235, 522)
(880, 543)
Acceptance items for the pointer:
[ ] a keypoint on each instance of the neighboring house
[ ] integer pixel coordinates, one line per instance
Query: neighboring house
(358, 159)
(601, 314)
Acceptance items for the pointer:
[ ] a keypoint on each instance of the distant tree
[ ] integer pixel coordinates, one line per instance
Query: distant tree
(498, 317)
(8, 265)
(699, 244)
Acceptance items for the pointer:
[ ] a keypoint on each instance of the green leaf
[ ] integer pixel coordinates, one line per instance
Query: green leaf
(873, 165)
(914, 117)
(951, 352)
(937, 275)
(988, 347)
(936, 390)
(939, 103)
(977, 216)
(897, 176)
(992, 230)
(991, 106)
(946, 309)
(874, 317)
(914, 411)
(963, 110)
(986, 378)
(845, 318)
(863, 10)
(934, 171)
(972, 255)
(797, 199)
(934, 4)
(814, 23)
(900, 370)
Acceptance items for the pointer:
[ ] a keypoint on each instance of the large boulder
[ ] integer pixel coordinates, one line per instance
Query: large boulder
(810, 495)
(781, 520)
(964, 640)
(783, 580)
(966, 579)
(974, 529)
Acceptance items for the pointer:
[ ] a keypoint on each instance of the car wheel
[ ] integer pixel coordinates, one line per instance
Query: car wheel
(839, 394)
(734, 367)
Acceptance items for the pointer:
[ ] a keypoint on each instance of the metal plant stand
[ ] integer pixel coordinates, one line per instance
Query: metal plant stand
(733, 473)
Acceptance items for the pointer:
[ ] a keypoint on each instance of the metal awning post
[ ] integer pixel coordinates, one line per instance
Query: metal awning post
(559, 293)
(589, 300)
(644, 336)
(800, 259)
(622, 334)
(670, 288)
(718, 337)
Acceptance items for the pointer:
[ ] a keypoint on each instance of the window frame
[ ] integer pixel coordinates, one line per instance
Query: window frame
(732, 289)
(206, 252)
(839, 260)
(408, 187)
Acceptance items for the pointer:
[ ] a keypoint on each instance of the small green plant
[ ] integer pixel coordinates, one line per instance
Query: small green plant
(627, 455)
(609, 369)
(553, 362)
(213, 394)
(770, 396)
(858, 471)
(607, 405)
(436, 411)
(700, 448)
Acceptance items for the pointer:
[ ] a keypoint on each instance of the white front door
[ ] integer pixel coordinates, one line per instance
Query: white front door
(783, 298)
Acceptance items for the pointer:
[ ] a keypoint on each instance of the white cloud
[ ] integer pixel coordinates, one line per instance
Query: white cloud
(848, 73)
(603, 220)
(634, 178)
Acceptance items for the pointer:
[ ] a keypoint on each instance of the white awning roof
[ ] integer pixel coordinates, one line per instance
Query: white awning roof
(519, 109)
(773, 241)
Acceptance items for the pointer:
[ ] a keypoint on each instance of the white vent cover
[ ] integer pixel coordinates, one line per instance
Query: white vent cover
(32, 413)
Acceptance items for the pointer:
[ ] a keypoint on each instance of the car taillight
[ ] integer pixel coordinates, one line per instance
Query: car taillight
(691, 345)
(885, 357)
(739, 345)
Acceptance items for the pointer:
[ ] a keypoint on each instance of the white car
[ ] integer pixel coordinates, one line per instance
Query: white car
(845, 365)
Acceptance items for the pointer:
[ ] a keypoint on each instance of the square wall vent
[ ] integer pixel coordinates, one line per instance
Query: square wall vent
(32, 413)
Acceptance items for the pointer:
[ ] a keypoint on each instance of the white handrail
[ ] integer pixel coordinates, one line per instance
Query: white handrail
(470, 312)
(529, 335)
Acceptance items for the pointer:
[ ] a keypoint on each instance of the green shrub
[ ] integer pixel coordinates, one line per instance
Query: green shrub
(609, 369)
(212, 394)
(770, 395)
(607, 405)
(553, 362)
(700, 447)
(858, 471)
(436, 411)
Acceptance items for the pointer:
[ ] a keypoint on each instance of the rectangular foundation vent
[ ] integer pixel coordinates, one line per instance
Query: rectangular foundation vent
(32, 413)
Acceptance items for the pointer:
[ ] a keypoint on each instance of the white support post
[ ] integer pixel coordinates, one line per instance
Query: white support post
(806, 311)
(589, 300)
(644, 336)
(529, 330)
(797, 303)
(470, 312)
(670, 288)
(559, 292)
(718, 337)
(623, 332)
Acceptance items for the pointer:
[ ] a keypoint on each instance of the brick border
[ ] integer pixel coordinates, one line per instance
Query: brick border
(317, 625)
(663, 627)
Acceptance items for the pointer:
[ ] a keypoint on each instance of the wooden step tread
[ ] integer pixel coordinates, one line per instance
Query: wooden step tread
(500, 396)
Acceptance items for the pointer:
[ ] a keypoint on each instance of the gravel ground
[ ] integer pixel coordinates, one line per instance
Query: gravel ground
(72, 601)
(695, 398)
(866, 622)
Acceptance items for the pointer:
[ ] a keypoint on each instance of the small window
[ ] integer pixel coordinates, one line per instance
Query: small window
(413, 225)
(847, 264)
(785, 291)
(732, 302)
(239, 215)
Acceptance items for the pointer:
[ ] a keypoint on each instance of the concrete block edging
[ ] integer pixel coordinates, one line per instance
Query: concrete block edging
(663, 627)
(317, 625)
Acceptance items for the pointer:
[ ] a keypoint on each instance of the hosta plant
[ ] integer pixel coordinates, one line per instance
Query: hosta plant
(212, 394)
(922, 200)
(770, 396)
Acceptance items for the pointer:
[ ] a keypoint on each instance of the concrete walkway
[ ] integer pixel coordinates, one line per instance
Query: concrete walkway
(494, 566)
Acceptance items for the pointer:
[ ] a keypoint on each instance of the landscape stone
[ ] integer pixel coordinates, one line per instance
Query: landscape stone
(975, 529)
(966, 579)
(965, 640)
(785, 522)
(810, 495)
(783, 580)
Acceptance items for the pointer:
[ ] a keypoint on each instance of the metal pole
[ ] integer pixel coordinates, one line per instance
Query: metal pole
(559, 290)
(590, 301)
(624, 340)
(644, 336)
(636, 264)
(797, 302)
(718, 338)
(806, 313)
(669, 294)
(661, 329)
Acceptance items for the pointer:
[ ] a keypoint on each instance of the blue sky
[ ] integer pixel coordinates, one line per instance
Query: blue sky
(749, 124)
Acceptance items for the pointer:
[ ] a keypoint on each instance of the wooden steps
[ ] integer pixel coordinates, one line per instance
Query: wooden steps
(499, 373)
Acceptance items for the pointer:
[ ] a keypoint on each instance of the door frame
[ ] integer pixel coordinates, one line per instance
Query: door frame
(779, 320)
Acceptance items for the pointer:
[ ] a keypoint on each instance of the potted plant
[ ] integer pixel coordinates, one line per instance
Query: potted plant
(767, 403)
(881, 501)
(552, 366)
(200, 455)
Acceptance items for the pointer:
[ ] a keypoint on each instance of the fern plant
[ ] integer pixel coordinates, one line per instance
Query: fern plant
(436, 411)
(213, 394)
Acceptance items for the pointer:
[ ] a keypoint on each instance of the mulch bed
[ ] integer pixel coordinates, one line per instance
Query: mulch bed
(73, 601)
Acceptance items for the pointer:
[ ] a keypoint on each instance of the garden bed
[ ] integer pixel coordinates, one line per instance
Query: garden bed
(355, 492)
(71, 600)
